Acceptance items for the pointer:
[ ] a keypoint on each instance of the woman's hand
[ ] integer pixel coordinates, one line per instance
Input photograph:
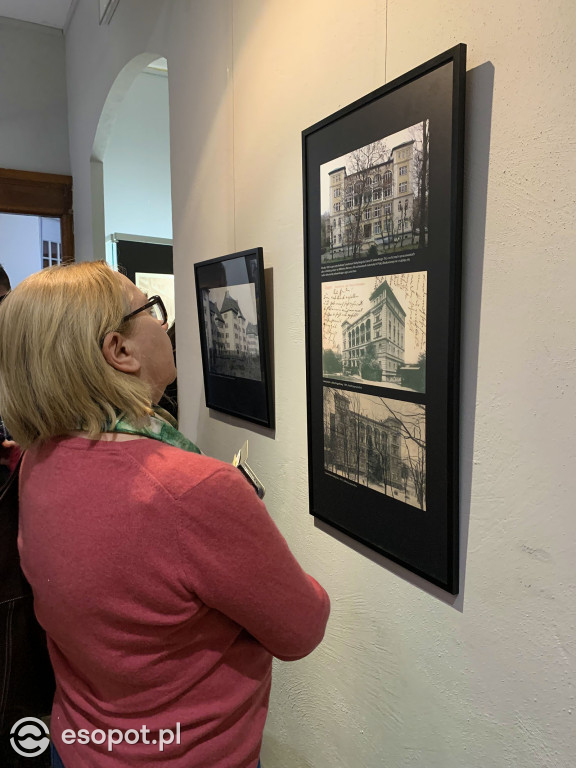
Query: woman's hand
(9, 453)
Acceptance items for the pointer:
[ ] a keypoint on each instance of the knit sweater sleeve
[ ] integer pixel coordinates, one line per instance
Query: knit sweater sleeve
(238, 562)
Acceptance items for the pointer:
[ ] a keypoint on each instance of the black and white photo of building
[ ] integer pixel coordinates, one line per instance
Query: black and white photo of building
(374, 330)
(374, 200)
(232, 331)
(376, 442)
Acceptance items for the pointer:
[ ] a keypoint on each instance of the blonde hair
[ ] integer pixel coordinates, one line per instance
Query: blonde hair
(53, 376)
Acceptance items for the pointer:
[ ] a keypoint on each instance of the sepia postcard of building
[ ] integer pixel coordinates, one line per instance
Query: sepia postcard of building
(374, 330)
(376, 442)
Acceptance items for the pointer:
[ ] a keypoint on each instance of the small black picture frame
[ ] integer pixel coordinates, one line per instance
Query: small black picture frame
(231, 300)
(382, 235)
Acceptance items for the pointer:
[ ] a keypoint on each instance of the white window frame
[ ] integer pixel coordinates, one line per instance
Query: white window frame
(51, 259)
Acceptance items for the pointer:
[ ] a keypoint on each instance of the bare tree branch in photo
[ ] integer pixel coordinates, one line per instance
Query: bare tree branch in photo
(386, 454)
(361, 166)
(408, 421)
(354, 429)
(421, 136)
(379, 464)
(325, 234)
(340, 442)
(410, 426)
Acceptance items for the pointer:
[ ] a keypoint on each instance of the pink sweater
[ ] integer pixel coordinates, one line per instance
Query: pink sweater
(165, 589)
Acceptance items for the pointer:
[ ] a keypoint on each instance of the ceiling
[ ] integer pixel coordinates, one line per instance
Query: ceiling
(51, 13)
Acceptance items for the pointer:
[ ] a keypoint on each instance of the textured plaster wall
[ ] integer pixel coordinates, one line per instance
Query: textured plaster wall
(33, 127)
(406, 676)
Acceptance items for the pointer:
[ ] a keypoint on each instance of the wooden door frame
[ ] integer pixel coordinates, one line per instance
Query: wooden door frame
(40, 194)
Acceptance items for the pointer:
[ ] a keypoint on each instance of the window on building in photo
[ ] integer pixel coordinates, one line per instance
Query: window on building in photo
(403, 187)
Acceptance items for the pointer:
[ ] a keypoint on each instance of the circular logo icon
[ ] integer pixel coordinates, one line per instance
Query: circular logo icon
(29, 737)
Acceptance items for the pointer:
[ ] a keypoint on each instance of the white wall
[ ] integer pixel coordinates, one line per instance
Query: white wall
(33, 122)
(137, 162)
(21, 246)
(406, 676)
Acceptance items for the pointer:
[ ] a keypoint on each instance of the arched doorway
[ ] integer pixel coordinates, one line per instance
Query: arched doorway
(131, 186)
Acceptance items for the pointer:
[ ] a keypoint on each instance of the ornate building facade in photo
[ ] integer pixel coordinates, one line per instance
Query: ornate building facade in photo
(252, 339)
(232, 341)
(227, 328)
(214, 327)
(374, 452)
(382, 327)
(359, 447)
(373, 206)
(234, 326)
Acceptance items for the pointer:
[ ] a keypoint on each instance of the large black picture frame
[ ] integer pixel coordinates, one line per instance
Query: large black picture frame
(231, 298)
(383, 236)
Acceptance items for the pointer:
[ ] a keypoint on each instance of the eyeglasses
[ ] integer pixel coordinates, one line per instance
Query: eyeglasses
(155, 306)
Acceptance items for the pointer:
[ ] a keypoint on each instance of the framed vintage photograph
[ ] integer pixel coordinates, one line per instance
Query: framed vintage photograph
(234, 336)
(149, 264)
(383, 233)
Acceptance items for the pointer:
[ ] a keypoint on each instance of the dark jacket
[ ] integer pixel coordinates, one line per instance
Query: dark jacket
(26, 677)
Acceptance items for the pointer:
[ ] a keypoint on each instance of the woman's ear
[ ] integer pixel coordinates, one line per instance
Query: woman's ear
(119, 353)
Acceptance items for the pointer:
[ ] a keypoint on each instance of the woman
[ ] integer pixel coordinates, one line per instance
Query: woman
(163, 584)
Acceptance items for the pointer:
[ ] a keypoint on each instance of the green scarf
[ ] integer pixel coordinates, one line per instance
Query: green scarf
(162, 427)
